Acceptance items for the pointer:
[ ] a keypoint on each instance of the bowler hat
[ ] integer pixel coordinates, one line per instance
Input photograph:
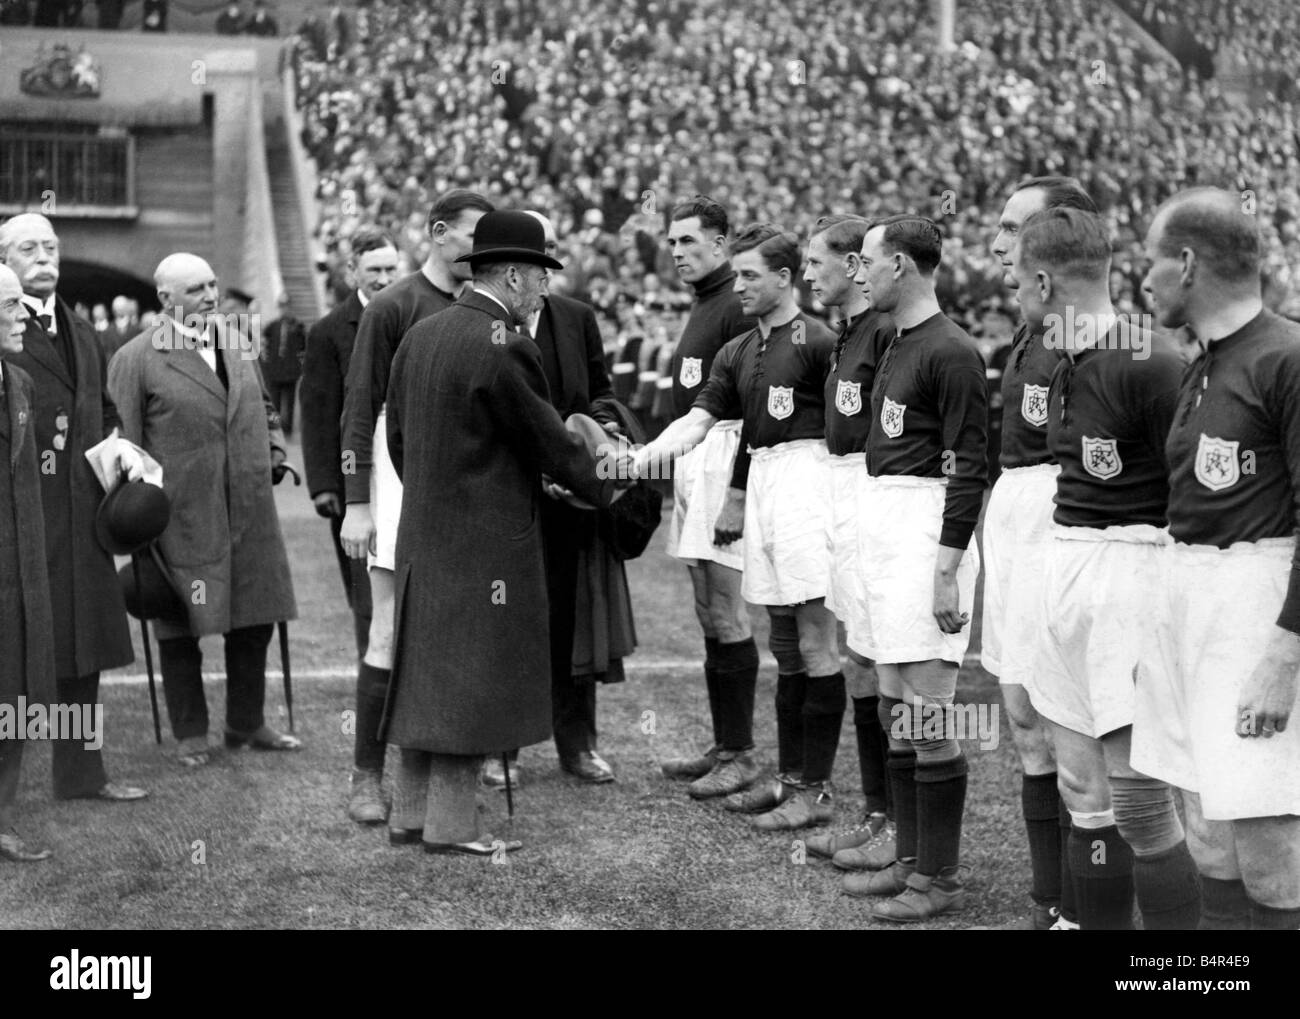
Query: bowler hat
(600, 444)
(147, 588)
(510, 237)
(131, 516)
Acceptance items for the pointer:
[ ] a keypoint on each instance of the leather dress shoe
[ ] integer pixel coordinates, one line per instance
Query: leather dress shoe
(687, 769)
(366, 804)
(494, 774)
(405, 836)
(484, 845)
(118, 792)
(263, 738)
(13, 848)
(193, 752)
(589, 766)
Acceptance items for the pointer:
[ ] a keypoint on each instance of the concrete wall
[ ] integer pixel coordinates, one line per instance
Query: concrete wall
(199, 187)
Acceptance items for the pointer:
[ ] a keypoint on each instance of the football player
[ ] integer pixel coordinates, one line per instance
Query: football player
(1222, 731)
(708, 504)
(927, 454)
(1016, 528)
(1110, 406)
(772, 378)
(865, 334)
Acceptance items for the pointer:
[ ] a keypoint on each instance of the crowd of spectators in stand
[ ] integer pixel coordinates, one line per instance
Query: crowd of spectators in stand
(602, 112)
(233, 19)
(1258, 39)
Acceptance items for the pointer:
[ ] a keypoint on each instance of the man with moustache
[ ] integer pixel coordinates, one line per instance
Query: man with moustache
(372, 266)
(773, 377)
(1221, 724)
(1017, 526)
(927, 454)
(472, 433)
(1110, 406)
(865, 335)
(26, 631)
(371, 489)
(189, 392)
(708, 500)
(73, 413)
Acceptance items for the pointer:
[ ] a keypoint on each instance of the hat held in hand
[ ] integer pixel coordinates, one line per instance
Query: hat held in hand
(131, 516)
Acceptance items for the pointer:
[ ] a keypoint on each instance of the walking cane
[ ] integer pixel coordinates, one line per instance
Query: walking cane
(284, 669)
(510, 796)
(148, 659)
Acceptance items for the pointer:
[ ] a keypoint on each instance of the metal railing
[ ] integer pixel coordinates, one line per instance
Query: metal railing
(66, 172)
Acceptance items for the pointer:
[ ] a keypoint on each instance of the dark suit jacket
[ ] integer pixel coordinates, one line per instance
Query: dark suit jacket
(73, 413)
(573, 358)
(283, 342)
(471, 432)
(329, 351)
(26, 633)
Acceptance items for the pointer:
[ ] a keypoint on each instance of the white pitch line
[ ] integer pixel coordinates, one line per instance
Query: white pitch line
(320, 675)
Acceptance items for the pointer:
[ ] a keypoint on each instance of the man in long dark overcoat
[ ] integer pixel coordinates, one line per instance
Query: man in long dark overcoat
(189, 392)
(26, 632)
(73, 413)
(471, 431)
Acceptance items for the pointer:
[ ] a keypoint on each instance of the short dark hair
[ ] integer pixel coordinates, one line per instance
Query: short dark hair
(842, 234)
(778, 248)
(1212, 223)
(452, 203)
(1071, 241)
(1060, 192)
(370, 238)
(712, 215)
(914, 236)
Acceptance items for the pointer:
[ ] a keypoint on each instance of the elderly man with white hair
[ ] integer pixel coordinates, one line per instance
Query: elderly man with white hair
(72, 414)
(189, 392)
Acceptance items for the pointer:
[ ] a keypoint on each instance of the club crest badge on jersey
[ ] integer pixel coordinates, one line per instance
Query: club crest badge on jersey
(1217, 464)
(692, 371)
(1033, 405)
(891, 418)
(780, 402)
(848, 397)
(1101, 458)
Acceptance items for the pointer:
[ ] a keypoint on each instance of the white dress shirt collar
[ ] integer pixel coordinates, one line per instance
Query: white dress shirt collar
(46, 307)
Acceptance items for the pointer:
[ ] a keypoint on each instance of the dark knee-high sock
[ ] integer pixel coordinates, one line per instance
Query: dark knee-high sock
(790, 693)
(711, 684)
(1168, 890)
(823, 718)
(736, 672)
(873, 750)
(1103, 868)
(902, 776)
(1269, 918)
(1040, 804)
(1225, 906)
(1069, 895)
(372, 687)
(940, 801)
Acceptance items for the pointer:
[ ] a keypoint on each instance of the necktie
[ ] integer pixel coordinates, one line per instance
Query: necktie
(46, 321)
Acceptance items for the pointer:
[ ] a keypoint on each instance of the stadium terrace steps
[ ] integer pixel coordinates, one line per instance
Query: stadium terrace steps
(295, 257)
